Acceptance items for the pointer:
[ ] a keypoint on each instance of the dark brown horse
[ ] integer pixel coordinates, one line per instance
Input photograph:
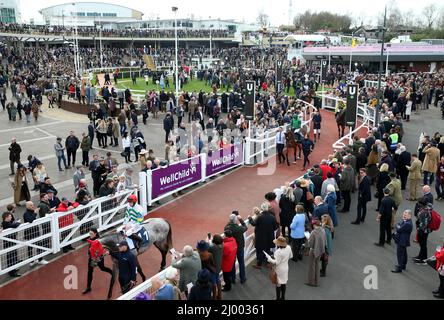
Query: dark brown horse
(340, 121)
(291, 143)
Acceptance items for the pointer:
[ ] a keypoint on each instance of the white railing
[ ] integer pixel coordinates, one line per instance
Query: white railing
(50, 234)
(263, 145)
(374, 84)
(366, 114)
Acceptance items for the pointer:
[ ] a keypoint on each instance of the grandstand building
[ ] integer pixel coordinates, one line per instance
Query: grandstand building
(10, 11)
(88, 14)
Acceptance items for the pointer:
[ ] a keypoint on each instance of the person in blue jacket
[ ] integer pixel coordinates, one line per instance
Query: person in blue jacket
(127, 267)
(330, 200)
(402, 240)
(297, 233)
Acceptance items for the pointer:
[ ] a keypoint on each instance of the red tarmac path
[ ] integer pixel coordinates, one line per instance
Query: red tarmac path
(191, 216)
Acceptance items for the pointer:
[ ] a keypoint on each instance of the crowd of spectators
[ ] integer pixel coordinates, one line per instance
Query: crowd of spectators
(120, 33)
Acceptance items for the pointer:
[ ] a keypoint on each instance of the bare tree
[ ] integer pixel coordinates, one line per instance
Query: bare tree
(441, 19)
(262, 19)
(409, 18)
(430, 13)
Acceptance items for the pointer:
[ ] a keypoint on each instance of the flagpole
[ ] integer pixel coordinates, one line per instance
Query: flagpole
(351, 53)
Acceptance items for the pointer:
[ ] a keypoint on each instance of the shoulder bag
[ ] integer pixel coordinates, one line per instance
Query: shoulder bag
(273, 275)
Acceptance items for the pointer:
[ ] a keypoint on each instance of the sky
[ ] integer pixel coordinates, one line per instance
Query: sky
(241, 10)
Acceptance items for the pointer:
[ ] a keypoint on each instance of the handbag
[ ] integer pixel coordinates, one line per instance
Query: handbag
(395, 237)
(273, 275)
(124, 154)
(310, 197)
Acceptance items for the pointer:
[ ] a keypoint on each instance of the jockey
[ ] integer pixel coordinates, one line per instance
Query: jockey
(132, 223)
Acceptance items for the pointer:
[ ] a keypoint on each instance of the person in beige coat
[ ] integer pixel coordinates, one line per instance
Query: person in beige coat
(395, 192)
(281, 257)
(20, 186)
(430, 164)
(316, 243)
(414, 177)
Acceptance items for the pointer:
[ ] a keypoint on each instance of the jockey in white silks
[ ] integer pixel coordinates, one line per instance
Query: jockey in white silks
(133, 220)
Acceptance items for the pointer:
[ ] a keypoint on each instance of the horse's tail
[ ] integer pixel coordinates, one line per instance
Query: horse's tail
(169, 238)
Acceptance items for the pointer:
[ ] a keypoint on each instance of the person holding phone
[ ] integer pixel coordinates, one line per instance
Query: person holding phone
(11, 256)
(30, 216)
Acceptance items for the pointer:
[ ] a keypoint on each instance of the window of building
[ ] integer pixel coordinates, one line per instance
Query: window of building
(109, 14)
(7, 15)
(81, 14)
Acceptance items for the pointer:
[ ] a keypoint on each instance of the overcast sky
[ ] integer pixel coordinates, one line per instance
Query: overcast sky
(240, 10)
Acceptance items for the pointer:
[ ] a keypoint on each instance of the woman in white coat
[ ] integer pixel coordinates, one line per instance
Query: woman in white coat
(408, 108)
(281, 257)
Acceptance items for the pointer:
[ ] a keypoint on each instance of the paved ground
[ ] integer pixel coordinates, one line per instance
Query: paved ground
(354, 250)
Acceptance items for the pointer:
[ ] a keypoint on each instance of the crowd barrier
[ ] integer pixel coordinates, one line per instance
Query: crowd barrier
(165, 181)
(50, 234)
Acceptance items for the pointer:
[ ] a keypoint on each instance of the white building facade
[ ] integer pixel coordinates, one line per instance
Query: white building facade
(88, 14)
(10, 11)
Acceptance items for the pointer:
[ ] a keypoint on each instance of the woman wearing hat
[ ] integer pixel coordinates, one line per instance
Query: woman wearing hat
(203, 288)
(20, 186)
(280, 260)
(207, 260)
(143, 158)
(383, 181)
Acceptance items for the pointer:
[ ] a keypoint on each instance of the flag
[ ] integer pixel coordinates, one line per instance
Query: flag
(353, 42)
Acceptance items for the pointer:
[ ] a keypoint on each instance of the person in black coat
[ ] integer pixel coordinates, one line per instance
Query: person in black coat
(383, 181)
(199, 116)
(91, 131)
(316, 178)
(100, 261)
(386, 158)
(265, 225)
(287, 213)
(11, 256)
(203, 288)
(107, 188)
(364, 196)
(402, 239)
(404, 160)
(30, 216)
(168, 125)
(72, 143)
(385, 218)
(127, 267)
(320, 209)
(14, 155)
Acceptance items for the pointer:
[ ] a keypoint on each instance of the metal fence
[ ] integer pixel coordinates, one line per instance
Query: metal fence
(49, 235)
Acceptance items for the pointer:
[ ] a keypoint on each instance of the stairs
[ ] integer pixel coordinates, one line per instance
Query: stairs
(149, 62)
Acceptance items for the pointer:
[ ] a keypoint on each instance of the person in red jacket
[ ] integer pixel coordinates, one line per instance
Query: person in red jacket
(440, 268)
(325, 169)
(228, 258)
(66, 220)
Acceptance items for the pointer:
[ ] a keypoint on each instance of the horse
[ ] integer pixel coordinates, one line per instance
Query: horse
(340, 121)
(291, 143)
(158, 232)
